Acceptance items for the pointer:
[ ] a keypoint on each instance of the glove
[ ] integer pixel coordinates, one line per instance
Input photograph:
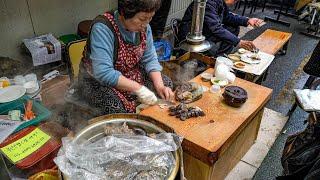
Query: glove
(145, 96)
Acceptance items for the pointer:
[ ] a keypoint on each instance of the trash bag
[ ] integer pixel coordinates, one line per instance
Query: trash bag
(301, 155)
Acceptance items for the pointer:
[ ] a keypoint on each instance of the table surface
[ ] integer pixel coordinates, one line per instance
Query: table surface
(208, 134)
(271, 41)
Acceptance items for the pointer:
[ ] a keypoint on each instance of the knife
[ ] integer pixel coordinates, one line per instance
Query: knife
(165, 102)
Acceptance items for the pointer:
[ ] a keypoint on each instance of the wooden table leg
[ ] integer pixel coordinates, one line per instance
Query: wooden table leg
(231, 154)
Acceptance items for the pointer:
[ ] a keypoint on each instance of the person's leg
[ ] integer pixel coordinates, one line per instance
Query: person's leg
(219, 48)
(158, 22)
(224, 47)
(101, 97)
(233, 29)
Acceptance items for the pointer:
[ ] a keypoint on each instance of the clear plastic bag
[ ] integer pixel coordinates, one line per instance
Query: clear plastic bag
(119, 157)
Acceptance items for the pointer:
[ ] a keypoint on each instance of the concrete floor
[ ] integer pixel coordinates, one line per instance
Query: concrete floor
(285, 74)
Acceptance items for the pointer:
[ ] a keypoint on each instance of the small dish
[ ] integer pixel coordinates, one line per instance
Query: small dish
(242, 51)
(239, 65)
(206, 76)
(234, 57)
(219, 82)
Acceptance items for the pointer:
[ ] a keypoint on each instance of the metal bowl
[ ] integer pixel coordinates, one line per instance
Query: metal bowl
(95, 131)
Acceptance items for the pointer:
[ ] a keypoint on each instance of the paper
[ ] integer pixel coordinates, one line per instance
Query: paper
(7, 127)
(25, 146)
(44, 49)
(309, 99)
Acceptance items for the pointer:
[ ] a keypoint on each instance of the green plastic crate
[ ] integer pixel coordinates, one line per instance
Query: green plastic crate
(66, 39)
(40, 111)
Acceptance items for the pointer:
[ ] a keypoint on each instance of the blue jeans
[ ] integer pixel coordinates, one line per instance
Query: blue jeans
(220, 47)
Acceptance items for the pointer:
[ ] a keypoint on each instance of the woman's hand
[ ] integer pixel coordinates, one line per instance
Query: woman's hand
(255, 22)
(165, 93)
(145, 96)
(248, 45)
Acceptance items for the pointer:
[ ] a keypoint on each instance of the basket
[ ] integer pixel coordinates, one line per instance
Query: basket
(41, 112)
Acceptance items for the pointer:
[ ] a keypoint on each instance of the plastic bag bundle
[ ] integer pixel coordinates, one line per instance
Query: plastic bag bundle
(119, 157)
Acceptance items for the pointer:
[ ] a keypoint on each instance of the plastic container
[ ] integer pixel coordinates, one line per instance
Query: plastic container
(163, 49)
(41, 112)
(19, 80)
(42, 158)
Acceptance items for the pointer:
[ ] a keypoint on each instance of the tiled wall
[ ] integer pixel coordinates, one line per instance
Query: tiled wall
(177, 9)
(21, 19)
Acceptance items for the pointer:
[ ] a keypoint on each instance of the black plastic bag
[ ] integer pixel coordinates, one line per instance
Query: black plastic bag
(301, 154)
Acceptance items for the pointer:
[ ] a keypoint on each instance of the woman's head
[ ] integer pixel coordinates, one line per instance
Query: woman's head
(230, 2)
(136, 14)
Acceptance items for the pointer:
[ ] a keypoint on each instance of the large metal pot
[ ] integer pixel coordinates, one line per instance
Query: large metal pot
(95, 131)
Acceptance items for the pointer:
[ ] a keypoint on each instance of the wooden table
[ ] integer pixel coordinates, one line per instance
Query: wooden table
(272, 41)
(215, 143)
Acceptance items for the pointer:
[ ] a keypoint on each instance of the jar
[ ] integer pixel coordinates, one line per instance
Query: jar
(4, 82)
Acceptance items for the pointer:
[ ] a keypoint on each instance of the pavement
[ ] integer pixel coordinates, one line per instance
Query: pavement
(285, 74)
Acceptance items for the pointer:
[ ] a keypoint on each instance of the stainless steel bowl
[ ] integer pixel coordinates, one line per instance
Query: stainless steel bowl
(95, 131)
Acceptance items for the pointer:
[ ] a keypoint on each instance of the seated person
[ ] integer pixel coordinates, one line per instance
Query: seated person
(312, 67)
(120, 63)
(220, 27)
(159, 20)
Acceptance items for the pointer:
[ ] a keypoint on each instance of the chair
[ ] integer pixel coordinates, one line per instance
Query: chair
(252, 3)
(74, 55)
(313, 29)
(312, 83)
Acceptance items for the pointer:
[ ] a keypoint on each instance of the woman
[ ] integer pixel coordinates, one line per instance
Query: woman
(121, 61)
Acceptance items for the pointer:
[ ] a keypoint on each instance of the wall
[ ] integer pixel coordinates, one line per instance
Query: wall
(177, 9)
(21, 19)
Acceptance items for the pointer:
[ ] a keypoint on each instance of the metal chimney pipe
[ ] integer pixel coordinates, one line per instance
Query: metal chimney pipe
(195, 41)
(197, 21)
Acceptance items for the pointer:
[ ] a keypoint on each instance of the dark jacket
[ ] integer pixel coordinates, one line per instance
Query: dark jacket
(217, 15)
(313, 65)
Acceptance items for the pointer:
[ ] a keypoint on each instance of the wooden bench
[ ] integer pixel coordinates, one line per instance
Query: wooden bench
(215, 143)
(272, 41)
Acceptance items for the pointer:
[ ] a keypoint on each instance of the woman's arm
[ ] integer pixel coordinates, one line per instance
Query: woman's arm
(102, 55)
(102, 48)
(127, 84)
(153, 68)
(163, 91)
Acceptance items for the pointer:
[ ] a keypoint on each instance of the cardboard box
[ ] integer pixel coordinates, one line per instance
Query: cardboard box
(53, 91)
(179, 73)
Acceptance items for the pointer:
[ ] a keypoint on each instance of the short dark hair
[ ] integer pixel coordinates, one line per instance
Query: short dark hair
(129, 8)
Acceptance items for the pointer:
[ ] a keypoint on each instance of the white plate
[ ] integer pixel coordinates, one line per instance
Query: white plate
(219, 82)
(11, 93)
(246, 58)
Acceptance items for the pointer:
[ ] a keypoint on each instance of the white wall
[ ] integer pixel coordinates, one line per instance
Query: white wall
(21, 19)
